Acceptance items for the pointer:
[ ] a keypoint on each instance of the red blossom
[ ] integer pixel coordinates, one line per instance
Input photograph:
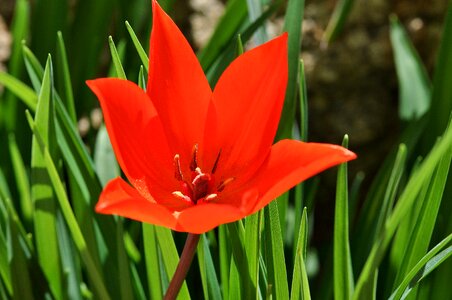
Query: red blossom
(194, 158)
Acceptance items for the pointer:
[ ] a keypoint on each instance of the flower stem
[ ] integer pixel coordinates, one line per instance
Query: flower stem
(182, 268)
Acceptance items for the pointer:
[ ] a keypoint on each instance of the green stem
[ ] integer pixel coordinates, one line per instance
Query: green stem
(182, 268)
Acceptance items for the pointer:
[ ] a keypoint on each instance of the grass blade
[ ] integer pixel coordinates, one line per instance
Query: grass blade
(292, 25)
(19, 89)
(343, 273)
(143, 56)
(116, 59)
(252, 246)
(209, 279)
(337, 21)
(425, 266)
(152, 262)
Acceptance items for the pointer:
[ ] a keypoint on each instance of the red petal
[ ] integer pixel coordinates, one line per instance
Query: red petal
(137, 137)
(118, 198)
(291, 162)
(248, 100)
(177, 85)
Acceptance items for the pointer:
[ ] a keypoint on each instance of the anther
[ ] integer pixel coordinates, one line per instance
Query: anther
(181, 196)
(177, 169)
(194, 160)
(216, 163)
(224, 183)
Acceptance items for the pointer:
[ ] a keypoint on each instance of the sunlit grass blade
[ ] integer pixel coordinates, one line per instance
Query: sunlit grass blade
(343, 273)
(170, 257)
(338, 19)
(116, 59)
(252, 246)
(5, 273)
(22, 180)
(234, 15)
(292, 25)
(33, 66)
(236, 236)
(19, 89)
(425, 266)
(300, 283)
(414, 85)
(209, 279)
(143, 56)
(225, 260)
(422, 232)
(254, 11)
(402, 207)
(64, 82)
(152, 262)
(279, 276)
(44, 217)
(68, 214)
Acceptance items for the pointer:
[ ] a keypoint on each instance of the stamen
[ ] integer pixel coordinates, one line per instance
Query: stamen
(177, 170)
(216, 163)
(208, 198)
(194, 160)
(200, 186)
(181, 196)
(224, 183)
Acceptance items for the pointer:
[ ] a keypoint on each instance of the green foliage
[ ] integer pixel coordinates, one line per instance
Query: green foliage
(53, 245)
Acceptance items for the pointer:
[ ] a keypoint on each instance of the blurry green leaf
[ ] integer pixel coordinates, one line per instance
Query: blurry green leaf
(143, 56)
(170, 257)
(22, 180)
(209, 279)
(234, 15)
(303, 92)
(300, 284)
(152, 262)
(337, 20)
(414, 86)
(441, 104)
(65, 86)
(292, 25)
(254, 11)
(225, 259)
(104, 158)
(33, 66)
(18, 88)
(41, 188)
(343, 273)
(425, 266)
(123, 264)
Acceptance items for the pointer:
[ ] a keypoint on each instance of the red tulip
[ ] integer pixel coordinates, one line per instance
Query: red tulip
(194, 158)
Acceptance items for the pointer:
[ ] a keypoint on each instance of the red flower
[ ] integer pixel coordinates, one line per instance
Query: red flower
(196, 159)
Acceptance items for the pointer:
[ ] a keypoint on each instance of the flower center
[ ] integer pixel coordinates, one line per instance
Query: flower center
(201, 187)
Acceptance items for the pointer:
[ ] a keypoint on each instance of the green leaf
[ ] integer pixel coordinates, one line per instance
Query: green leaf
(234, 15)
(77, 236)
(41, 189)
(425, 266)
(421, 234)
(210, 284)
(292, 25)
(343, 273)
(414, 86)
(105, 162)
(125, 282)
(405, 202)
(337, 21)
(22, 180)
(116, 59)
(65, 86)
(252, 246)
(21, 90)
(143, 56)
(279, 278)
(170, 257)
(152, 262)
(225, 259)
(300, 283)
